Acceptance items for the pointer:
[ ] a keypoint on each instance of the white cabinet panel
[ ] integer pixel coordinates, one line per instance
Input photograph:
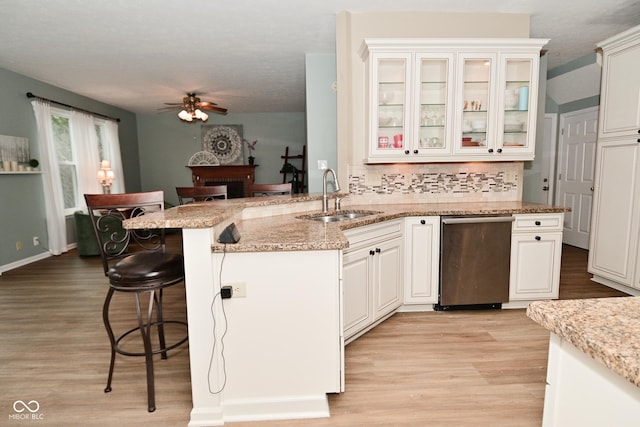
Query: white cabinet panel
(356, 272)
(620, 91)
(536, 252)
(373, 268)
(614, 228)
(422, 260)
(535, 266)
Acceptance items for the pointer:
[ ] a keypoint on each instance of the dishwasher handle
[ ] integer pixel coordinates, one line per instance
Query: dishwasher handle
(476, 219)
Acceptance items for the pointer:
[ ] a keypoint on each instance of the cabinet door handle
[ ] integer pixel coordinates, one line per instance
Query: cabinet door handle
(378, 250)
(406, 151)
(499, 150)
(491, 150)
(538, 238)
(423, 222)
(415, 151)
(538, 223)
(371, 252)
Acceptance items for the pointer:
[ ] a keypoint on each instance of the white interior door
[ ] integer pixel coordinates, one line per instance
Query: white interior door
(576, 165)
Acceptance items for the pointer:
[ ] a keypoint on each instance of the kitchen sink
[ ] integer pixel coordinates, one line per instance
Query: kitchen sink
(338, 215)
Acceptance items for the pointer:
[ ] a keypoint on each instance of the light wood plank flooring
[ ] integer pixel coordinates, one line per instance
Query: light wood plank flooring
(470, 368)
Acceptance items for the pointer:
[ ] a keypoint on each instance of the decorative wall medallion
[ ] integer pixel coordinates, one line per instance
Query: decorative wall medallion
(204, 158)
(224, 141)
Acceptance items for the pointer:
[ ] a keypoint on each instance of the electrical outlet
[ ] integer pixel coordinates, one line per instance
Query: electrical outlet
(239, 290)
(18, 245)
(36, 241)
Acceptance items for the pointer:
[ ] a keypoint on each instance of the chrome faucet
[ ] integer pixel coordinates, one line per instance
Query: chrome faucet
(336, 186)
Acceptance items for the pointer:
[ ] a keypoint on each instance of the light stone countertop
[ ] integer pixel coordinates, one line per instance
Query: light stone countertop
(607, 329)
(273, 223)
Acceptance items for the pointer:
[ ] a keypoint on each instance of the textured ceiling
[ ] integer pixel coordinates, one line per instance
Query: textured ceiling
(246, 55)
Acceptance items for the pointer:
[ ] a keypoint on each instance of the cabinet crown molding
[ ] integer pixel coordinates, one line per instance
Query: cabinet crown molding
(449, 44)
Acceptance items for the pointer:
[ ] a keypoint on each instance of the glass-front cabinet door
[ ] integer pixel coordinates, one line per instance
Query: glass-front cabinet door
(516, 116)
(433, 119)
(389, 105)
(475, 132)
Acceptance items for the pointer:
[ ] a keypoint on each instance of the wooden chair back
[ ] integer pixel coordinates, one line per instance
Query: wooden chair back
(269, 189)
(201, 193)
(108, 211)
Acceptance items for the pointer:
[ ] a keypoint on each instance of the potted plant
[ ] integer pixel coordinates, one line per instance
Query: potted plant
(251, 146)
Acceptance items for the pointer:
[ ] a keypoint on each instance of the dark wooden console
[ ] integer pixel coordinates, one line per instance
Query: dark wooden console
(236, 177)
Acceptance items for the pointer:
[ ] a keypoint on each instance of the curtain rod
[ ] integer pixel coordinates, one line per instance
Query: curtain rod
(30, 95)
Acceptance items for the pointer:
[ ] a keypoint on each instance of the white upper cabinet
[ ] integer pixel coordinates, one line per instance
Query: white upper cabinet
(435, 100)
(620, 90)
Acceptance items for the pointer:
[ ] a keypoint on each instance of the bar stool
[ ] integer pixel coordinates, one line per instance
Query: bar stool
(135, 261)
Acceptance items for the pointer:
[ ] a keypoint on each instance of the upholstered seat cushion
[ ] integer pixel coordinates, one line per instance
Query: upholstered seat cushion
(148, 269)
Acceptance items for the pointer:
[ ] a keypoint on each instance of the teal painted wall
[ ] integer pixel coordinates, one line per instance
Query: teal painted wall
(321, 116)
(21, 196)
(166, 144)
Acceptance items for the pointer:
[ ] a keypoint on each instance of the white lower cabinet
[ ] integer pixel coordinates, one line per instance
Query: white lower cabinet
(536, 249)
(422, 259)
(372, 275)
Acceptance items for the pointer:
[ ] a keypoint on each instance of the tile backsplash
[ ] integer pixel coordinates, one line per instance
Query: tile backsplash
(439, 182)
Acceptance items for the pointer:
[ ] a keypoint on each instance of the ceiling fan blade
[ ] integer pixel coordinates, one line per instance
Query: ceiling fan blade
(206, 103)
(173, 103)
(219, 110)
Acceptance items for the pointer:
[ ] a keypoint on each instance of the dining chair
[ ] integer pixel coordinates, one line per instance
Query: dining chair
(269, 189)
(201, 193)
(136, 262)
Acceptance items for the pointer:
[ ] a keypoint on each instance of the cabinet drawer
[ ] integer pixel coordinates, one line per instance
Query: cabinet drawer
(538, 222)
(363, 235)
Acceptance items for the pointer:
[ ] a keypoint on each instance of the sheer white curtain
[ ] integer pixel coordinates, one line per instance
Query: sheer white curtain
(113, 142)
(88, 159)
(54, 202)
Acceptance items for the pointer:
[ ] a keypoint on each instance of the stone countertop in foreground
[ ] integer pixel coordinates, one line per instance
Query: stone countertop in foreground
(274, 223)
(607, 329)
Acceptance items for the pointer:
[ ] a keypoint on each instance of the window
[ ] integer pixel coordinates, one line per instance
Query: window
(66, 149)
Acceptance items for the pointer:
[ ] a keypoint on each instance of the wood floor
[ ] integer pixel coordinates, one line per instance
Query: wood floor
(467, 368)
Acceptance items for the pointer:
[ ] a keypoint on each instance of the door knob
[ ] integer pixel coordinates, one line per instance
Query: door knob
(371, 252)
(415, 151)
(423, 222)
(406, 151)
(491, 150)
(591, 188)
(538, 238)
(378, 250)
(499, 150)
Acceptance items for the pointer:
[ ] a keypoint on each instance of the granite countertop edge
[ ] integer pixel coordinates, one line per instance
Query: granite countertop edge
(282, 229)
(603, 328)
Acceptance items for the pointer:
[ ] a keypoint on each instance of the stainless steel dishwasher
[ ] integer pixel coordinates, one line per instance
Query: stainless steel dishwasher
(474, 261)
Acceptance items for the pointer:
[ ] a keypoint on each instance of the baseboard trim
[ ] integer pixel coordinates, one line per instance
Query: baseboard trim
(29, 260)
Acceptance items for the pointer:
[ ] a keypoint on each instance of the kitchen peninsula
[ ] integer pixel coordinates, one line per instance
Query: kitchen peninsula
(593, 374)
(276, 348)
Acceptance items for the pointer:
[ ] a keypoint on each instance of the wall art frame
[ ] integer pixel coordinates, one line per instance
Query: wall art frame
(225, 142)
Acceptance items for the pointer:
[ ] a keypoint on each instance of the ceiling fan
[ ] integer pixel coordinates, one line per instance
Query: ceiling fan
(192, 107)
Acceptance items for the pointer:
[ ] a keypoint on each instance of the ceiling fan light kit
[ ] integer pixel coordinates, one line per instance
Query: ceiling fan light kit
(192, 108)
(190, 116)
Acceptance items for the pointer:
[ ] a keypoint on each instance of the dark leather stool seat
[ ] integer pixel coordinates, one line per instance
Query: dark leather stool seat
(135, 261)
(149, 269)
